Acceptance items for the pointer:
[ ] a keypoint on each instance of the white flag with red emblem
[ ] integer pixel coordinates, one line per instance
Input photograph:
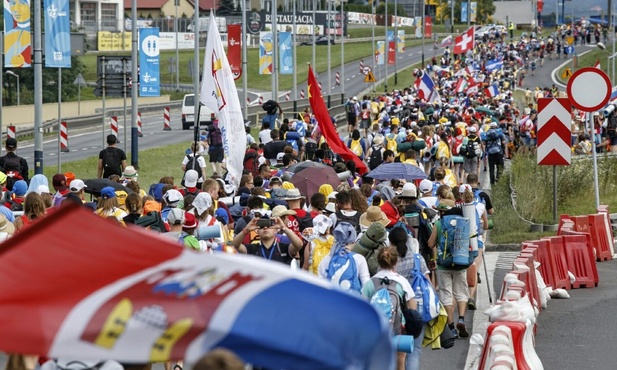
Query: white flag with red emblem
(464, 42)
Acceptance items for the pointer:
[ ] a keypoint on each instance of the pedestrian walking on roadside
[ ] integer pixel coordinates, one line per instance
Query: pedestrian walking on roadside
(112, 160)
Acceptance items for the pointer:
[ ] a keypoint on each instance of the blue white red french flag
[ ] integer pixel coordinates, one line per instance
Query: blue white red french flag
(426, 88)
(491, 91)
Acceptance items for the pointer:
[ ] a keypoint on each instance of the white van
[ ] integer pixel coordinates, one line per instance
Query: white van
(188, 113)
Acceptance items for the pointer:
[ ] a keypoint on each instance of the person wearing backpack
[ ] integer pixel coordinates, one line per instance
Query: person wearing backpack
(375, 152)
(356, 144)
(391, 294)
(13, 166)
(112, 160)
(345, 212)
(471, 150)
(215, 147)
(452, 278)
(269, 247)
(495, 142)
(352, 110)
(193, 161)
(320, 242)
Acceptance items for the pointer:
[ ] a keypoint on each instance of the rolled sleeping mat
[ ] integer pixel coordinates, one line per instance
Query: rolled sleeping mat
(457, 159)
(416, 145)
(343, 176)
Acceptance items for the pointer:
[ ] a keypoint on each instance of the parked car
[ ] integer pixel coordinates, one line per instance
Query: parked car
(188, 113)
(490, 29)
(320, 40)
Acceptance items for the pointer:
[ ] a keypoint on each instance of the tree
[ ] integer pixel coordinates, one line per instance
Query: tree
(485, 11)
(50, 80)
(226, 8)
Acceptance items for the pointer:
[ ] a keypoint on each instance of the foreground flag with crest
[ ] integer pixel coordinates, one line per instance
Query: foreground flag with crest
(464, 42)
(218, 92)
(325, 124)
(157, 301)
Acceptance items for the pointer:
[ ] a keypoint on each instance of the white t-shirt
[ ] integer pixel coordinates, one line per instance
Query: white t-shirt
(399, 279)
(264, 136)
(428, 202)
(200, 161)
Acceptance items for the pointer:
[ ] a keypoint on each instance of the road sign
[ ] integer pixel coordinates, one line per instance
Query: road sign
(80, 81)
(554, 131)
(370, 77)
(589, 89)
(567, 73)
(570, 40)
(366, 70)
(570, 49)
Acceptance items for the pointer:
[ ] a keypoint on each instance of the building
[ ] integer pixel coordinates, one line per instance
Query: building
(97, 15)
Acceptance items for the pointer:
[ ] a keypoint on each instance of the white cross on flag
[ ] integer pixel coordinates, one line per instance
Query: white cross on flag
(464, 42)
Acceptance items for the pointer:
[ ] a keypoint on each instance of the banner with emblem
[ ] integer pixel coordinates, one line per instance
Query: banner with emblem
(266, 52)
(149, 64)
(400, 41)
(57, 34)
(380, 53)
(234, 48)
(286, 66)
(391, 47)
(17, 40)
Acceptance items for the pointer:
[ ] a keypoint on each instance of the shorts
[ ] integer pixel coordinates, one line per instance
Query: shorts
(452, 283)
(216, 154)
(365, 123)
(351, 120)
(470, 165)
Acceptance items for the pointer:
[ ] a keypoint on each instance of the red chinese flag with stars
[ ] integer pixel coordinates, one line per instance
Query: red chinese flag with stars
(326, 127)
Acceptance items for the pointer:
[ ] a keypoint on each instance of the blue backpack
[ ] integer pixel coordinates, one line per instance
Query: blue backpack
(453, 247)
(343, 271)
(388, 302)
(493, 141)
(430, 299)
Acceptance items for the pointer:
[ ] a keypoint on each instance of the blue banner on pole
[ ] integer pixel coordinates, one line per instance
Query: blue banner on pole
(286, 53)
(57, 34)
(390, 36)
(464, 12)
(149, 67)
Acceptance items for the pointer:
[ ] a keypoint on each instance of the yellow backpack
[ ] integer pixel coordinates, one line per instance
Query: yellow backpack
(356, 147)
(320, 249)
(443, 150)
(391, 143)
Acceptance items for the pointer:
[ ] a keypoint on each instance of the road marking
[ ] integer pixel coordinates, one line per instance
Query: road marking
(84, 149)
(51, 154)
(353, 76)
(74, 150)
(348, 79)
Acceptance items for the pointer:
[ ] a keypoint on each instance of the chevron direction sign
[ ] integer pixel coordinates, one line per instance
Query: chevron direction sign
(554, 130)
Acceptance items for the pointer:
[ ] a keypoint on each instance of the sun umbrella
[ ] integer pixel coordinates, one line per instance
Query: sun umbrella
(156, 301)
(297, 167)
(485, 110)
(397, 170)
(94, 186)
(309, 180)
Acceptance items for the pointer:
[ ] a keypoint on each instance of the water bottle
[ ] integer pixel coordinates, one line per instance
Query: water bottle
(419, 300)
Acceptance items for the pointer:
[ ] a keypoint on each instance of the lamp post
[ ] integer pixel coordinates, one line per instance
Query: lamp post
(17, 77)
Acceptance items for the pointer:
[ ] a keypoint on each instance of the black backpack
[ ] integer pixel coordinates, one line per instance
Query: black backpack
(270, 107)
(310, 149)
(353, 220)
(192, 164)
(470, 149)
(376, 157)
(11, 166)
(111, 161)
(215, 138)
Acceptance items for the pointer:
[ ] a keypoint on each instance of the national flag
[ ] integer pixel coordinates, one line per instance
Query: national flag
(466, 103)
(464, 42)
(465, 71)
(494, 64)
(461, 86)
(447, 41)
(597, 65)
(426, 88)
(326, 127)
(472, 90)
(613, 94)
(491, 91)
(158, 301)
(218, 92)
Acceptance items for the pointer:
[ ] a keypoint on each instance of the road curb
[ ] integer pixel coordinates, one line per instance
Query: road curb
(503, 247)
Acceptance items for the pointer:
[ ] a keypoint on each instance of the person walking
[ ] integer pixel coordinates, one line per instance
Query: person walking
(112, 160)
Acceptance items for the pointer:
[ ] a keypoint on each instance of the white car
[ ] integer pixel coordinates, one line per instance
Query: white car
(490, 29)
(188, 112)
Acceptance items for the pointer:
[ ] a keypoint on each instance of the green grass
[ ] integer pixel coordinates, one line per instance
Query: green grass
(588, 59)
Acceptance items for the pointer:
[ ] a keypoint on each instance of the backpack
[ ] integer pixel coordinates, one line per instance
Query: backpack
(493, 143)
(251, 162)
(477, 198)
(356, 147)
(453, 246)
(349, 109)
(388, 302)
(216, 137)
(156, 190)
(111, 160)
(12, 168)
(310, 149)
(471, 147)
(352, 220)
(376, 157)
(430, 299)
(343, 271)
(391, 143)
(16, 206)
(270, 107)
(191, 164)
(319, 249)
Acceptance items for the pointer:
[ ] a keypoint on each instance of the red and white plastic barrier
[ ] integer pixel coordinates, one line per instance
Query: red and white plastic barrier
(11, 132)
(302, 94)
(288, 96)
(139, 132)
(261, 100)
(166, 119)
(338, 79)
(114, 125)
(64, 137)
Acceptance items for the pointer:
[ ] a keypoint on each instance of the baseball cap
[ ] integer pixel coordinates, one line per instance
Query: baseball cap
(77, 185)
(190, 178)
(11, 143)
(472, 129)
(108, 192)
(172, 196)
(20, 188)
(59, 180)
(409, 191)
(190, 222)
(426, 185)
(321, 223)
(176, 216)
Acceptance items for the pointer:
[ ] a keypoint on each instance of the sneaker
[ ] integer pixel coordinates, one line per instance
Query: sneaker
(462, 330)
(454, 333)
(471, 304)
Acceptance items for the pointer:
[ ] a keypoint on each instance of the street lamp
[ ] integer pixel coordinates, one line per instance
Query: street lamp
(17, 77)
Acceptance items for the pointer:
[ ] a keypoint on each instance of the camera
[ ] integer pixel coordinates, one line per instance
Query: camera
(263, 223)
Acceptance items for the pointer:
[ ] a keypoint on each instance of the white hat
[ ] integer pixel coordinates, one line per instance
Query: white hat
(175, 216)
(172, 196)
(202, 202)
(409, 191)
(426, 186)
(355, 98)
(473, 129)
(190, 178)
(280, 211)
(44, 189)
(76, 185)
(332, 195)
(330, 207)
(321, 223)
(129, 172)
